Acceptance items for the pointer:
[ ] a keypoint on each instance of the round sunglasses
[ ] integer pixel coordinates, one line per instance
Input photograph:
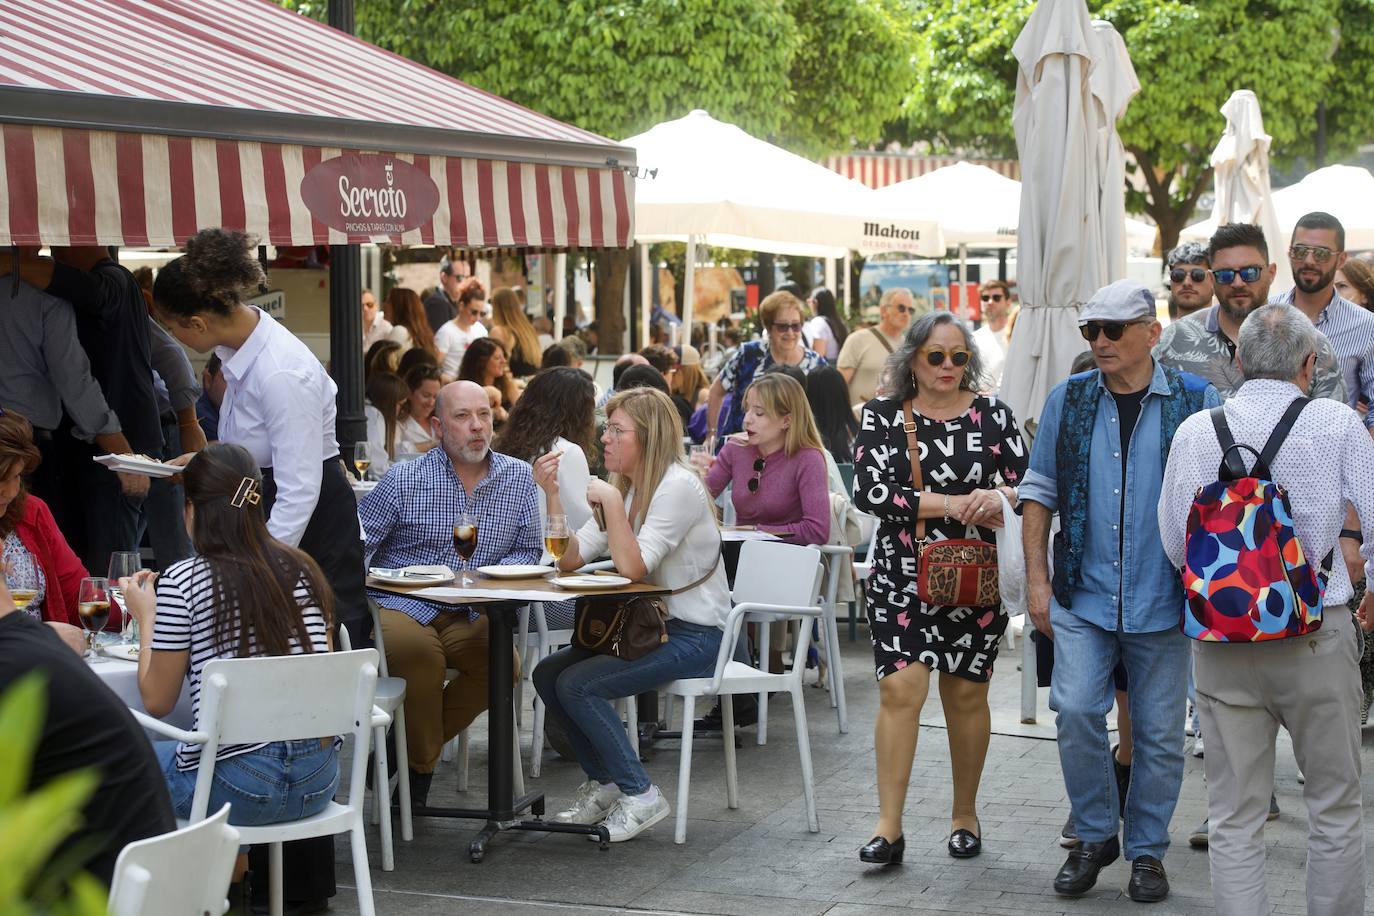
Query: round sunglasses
(936, 356)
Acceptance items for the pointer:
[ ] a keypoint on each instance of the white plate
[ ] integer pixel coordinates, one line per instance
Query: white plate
(514, 572)
(412, 575)
(130, 464)
(127, 652)
(590, 583)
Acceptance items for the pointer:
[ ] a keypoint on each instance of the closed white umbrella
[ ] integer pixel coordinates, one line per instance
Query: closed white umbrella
(1344, 191)
(1240, 168)
(1061, 258)
(1114, 84)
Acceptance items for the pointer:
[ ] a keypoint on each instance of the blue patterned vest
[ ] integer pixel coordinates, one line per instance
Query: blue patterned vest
(1186, 394)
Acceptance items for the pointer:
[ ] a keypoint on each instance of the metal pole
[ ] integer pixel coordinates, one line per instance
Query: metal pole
(627, 311)
(646, 295)
(687, 292)
(1029, 696)
(846, 300)
(965, 307)
(560, 293)
(830, 275)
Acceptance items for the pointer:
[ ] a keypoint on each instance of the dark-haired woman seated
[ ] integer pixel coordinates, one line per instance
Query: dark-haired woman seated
(244, 594)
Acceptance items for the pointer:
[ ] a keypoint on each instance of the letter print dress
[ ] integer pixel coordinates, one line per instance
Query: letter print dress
(957, 457)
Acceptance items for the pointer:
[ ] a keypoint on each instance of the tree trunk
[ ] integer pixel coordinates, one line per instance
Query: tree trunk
(612, 273)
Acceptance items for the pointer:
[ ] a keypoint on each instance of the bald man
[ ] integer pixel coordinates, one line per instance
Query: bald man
(410, 519)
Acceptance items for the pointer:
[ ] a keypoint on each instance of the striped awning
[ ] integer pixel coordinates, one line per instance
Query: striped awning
(878, 170)
(176, 115)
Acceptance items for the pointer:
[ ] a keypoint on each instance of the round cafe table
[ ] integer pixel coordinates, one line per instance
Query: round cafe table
(122, 677)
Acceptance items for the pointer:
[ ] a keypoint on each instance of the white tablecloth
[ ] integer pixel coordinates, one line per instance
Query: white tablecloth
(122, 677)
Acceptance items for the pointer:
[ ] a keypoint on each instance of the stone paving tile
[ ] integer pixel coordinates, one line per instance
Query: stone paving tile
(760, 860)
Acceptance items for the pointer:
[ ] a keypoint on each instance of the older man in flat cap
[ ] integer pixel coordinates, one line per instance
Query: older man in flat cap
(1098, 461)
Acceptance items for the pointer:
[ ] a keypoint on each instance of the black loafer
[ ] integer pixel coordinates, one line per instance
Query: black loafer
(878, 851)
(1148, 882)
(964, 845)
(1079, 872)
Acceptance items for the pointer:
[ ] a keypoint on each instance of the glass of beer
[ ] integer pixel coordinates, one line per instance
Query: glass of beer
(556, 536)
(23, 597)
(93, 606)
(362, 459)
(465, 541)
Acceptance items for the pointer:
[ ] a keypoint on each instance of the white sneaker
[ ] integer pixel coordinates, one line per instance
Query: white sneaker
(1197, 746)
(590, 804)
(629, 818)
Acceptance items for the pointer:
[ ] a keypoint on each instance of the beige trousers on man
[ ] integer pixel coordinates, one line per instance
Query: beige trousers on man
(1311, 687)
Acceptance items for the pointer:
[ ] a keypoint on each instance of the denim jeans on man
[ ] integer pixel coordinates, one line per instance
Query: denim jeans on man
(284, 781)
(579, 688)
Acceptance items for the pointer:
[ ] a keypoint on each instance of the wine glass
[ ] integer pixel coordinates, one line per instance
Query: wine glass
(123, 563)
(556, 537)
(93, 606)
(465, 541)
(21, 594)
(362, 459)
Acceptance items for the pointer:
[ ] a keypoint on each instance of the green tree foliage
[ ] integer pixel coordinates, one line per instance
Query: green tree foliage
(1189, 57)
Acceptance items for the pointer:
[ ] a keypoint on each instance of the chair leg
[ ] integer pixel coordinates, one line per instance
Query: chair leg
(763, 628)
(274, 876)
(832, 633)
(684, 769)
(403, 775)
(381, 797)
(463, 743)
(446, 755)
(727, 714)
(537, 739)
(632, 722)
(362, 878)
(519, 768)
(804, 750)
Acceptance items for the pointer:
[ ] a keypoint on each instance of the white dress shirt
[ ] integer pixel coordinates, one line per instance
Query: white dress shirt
(1326, 461)
(573, 477)
(992, 350)
(279, 405)
(678, 541)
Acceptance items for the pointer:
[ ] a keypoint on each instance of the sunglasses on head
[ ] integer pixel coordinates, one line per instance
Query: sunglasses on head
(782, 327)
(936, 356)
(1179, 274)
(759, 465)
(992, 297)
(1113, 329)
(1320, 253)
(1226, 275)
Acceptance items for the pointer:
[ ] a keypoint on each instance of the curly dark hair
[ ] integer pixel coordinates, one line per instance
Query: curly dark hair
(219, 267)
(557, 402)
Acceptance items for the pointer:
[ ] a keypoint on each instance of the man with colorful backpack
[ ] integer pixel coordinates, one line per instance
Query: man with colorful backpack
(1253, 525)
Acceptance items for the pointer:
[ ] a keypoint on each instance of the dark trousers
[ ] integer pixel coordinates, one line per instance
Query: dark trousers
(165, 507)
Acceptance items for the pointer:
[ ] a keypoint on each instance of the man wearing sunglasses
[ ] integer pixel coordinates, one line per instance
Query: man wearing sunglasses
(994, 335)
(1098, 462)
(1190, 280)
(865, 352)
(1204, 343)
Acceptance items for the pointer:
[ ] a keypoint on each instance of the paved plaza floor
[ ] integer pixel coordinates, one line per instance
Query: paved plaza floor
(760, 860)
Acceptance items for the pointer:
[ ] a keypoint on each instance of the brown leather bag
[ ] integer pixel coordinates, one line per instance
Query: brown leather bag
(950, 573)
(627, 626)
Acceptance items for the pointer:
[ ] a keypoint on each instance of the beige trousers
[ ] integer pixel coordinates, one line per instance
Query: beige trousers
(1311, 687)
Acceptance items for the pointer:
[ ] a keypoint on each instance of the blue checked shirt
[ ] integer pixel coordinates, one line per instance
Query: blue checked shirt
(1351, 332)
(409, 520)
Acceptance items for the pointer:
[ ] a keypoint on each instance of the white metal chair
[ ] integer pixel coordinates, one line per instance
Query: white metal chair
(862, 567)
(390, 699)
(286, 698)
(773, 581)
(838, 561)
(185, 871)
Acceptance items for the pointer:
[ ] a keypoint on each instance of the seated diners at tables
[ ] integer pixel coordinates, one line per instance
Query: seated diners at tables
(410, 519)
(386, 398)
(453, 337)
(485, 363)
(413, 434)
(660, 528)
(39, 566)
(244, 594)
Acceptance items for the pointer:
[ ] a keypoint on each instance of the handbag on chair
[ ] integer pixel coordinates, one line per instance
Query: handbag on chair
(957, 572)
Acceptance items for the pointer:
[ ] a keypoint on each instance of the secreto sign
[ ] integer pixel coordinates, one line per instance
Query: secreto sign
(369, 194)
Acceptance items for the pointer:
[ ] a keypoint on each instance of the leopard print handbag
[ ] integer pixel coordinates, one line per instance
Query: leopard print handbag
(950, 573)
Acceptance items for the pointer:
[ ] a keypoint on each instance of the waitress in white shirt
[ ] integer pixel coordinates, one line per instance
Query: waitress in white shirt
(278, 404)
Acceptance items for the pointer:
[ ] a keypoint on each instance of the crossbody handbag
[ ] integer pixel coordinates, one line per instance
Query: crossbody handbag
(627, 626)
(954, 572)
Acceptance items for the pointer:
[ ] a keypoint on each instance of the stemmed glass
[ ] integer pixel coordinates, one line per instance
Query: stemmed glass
(465, 541)
(362, 459)
(93, 606)
(22, 595)
(556, 537)
(123, 563)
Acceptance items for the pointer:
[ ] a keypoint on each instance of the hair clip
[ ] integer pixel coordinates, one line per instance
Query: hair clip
(247, 493)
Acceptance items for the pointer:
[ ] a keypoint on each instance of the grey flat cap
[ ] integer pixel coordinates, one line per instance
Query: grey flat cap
(1124, 300)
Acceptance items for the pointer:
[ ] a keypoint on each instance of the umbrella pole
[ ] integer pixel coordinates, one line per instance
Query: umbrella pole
(646, 295)
(560, 293)
(830, 274)
(1029, 696)
(689, 282)
(847, 301)
(965, 306)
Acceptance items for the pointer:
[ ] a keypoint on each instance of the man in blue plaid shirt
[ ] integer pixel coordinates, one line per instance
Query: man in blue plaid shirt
(409, 521)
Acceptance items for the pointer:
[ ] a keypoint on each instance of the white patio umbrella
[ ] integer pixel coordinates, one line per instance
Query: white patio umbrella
(1062, 254)
(1344, 191)
(1114, 84)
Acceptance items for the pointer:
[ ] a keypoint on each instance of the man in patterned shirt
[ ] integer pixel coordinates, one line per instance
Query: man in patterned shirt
(1204, 342)
(409, 519)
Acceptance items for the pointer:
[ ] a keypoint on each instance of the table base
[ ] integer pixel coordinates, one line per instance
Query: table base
(535, 802)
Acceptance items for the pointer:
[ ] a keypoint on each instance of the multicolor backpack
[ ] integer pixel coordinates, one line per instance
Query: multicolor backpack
(1245, 574)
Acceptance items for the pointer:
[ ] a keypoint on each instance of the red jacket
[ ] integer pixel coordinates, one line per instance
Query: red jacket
(39, 534)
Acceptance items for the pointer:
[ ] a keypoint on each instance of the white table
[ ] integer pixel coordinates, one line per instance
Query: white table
(122, 678)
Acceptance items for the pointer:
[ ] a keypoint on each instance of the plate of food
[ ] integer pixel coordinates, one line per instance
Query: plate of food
(590, 583)
(515, 571)
(411, 575)
(126, 651)
(138, 464)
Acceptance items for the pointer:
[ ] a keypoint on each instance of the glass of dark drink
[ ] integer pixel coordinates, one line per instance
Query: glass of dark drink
(465, 541)
(93, 606)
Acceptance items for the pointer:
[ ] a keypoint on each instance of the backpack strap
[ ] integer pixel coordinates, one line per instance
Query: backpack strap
(1232, 462)
(1280, 433)
(882, 338)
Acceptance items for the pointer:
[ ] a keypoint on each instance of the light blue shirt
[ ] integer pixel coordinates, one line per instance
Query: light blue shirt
(1128, 583)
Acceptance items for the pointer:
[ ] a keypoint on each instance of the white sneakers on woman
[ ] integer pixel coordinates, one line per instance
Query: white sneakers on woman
(625, 817)
(590, 804)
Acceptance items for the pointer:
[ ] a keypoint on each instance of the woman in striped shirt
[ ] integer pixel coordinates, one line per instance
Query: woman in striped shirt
(243, 594)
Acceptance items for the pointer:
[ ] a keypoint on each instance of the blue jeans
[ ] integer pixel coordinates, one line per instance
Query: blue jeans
(284, 781)
(578, 688)
(1081, 693)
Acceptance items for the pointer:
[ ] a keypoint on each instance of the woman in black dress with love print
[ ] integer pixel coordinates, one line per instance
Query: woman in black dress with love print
(966, 442)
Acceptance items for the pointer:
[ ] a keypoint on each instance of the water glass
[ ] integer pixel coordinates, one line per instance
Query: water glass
(123, 563)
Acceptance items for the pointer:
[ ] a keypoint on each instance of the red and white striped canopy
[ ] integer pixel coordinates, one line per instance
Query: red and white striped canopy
(878, 170)
(138, 122)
